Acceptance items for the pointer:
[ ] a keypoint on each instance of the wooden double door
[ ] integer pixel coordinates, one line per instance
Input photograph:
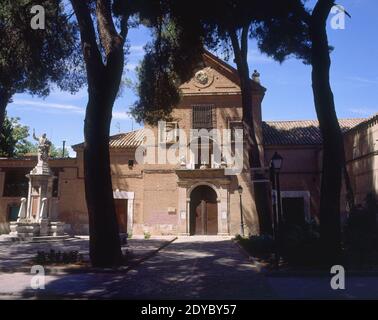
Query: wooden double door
(203, 211)
(121, 212)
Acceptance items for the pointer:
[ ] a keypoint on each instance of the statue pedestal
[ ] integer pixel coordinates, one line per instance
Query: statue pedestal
(44, 227)
(24, 229)
(34, 218)
(56, 229)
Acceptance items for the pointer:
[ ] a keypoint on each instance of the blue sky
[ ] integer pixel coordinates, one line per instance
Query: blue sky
(354, 78)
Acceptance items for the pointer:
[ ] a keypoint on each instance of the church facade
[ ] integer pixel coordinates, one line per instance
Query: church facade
(188, 196)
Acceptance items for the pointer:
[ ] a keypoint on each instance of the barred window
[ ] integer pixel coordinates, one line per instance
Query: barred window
(16, 183)
(202, 117)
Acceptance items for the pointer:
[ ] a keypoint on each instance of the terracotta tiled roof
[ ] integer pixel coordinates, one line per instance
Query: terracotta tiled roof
(131, 139)
(301, 132)
(373, 120)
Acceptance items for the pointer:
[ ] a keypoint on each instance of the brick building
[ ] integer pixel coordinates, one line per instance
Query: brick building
(189, 198)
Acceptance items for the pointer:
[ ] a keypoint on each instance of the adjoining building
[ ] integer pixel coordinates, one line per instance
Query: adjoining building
(187, 197)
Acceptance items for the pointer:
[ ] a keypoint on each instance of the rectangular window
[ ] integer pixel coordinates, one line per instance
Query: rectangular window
(169, 133)
(16, 182)
(234, 125)
(202, 117)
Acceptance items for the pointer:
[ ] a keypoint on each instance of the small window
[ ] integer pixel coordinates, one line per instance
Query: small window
(169, 133)
(56, 172)
(13, 211)
(16, 183)
(202, 117)
(294, 210)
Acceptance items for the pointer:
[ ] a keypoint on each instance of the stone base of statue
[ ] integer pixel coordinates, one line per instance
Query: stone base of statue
(24, 230)
(32, 231)
(35, 218)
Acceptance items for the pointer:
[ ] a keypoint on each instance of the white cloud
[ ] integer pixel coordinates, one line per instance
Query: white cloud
(121, 115)
(45, 106)
(42, 106)
(364, 111)
(137, 50)
(256, 57)
(56, 93)
(131, 66)
(362, 80)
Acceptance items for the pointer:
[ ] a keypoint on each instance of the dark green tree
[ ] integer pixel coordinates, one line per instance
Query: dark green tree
(13, 139)
(315, 42)
(104, 26)
(333, 164)
(32, 60)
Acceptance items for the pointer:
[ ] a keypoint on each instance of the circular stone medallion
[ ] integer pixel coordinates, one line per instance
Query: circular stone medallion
(203, 78)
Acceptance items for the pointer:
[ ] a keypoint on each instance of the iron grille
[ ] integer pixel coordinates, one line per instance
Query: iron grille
(202, 117)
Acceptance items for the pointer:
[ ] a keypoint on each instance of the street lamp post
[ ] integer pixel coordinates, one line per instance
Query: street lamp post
(276, 165)
(240, 190)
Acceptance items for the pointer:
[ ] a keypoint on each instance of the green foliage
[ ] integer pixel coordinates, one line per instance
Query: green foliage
(361, 233)
(258, 246)
(147, 235)
(13, 139)
(57, 152)
(170, 60)
(14, 143)
(287, 34)
(300, 245)
(30, 60)
(180, 32)
(57, 257)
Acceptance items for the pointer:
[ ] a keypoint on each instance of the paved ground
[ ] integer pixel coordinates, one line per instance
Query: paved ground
(17, 256)
(189, 268)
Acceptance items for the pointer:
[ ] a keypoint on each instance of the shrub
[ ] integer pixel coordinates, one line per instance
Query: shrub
(147, 235)
(57, 257)
(299, 245)
(258, 246)
(360, 232)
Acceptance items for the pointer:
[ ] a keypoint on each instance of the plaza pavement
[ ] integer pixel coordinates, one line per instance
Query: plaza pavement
(188, 268)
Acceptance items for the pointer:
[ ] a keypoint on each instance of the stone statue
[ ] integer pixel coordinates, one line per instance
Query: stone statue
(43, 147)
(256, 76)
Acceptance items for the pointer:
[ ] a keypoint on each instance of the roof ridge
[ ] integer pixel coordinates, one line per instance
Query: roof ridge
(303, 120)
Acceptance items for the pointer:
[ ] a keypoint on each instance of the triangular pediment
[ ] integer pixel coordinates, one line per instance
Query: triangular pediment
(215, 77)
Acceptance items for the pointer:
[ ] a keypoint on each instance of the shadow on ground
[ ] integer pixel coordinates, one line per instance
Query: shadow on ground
(183, 270)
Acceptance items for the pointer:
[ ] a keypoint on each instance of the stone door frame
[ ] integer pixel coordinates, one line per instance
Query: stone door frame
(185, 189)
(129, 196)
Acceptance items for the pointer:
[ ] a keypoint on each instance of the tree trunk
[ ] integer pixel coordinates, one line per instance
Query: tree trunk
(4, 100)
(261, 192)
(333, 147)
(104, 234)
(349, 189)
(103, 84)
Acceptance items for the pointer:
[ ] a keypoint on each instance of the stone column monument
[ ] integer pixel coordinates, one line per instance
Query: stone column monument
(34, 218)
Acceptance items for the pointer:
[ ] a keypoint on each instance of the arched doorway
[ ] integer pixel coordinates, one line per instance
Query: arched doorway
(203, 211)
